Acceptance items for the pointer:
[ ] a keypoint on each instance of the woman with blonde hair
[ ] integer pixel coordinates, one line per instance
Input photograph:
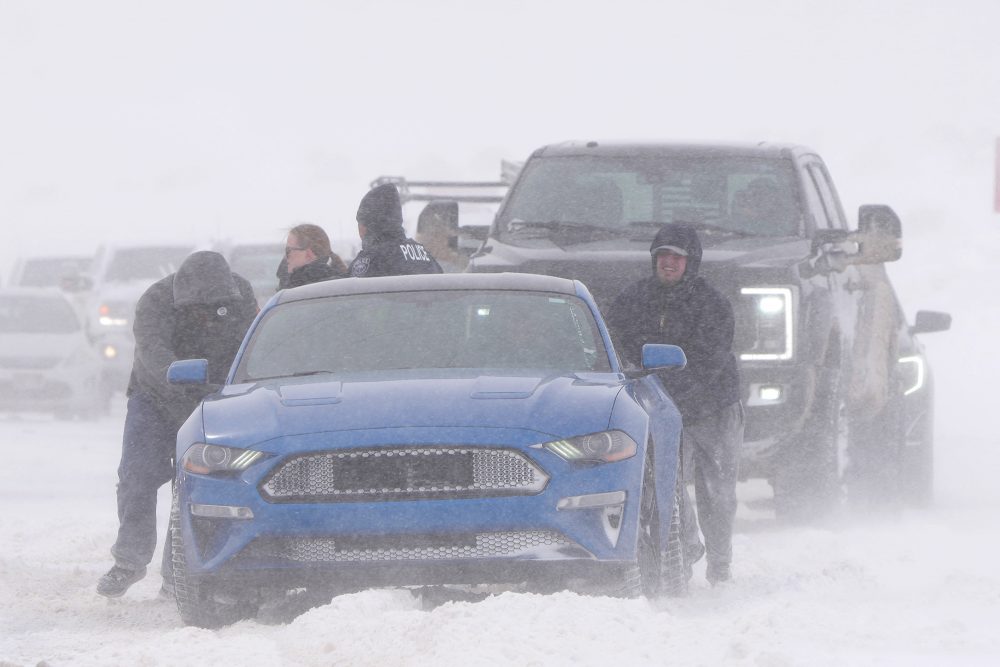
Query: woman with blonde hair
(308, 257)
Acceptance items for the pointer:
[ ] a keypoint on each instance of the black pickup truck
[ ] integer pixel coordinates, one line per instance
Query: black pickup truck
(838, 392)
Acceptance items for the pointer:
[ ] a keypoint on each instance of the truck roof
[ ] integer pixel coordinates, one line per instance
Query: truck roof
(625, 149)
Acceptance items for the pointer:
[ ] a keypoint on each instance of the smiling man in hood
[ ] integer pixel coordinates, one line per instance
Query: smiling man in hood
(677, 306)
(200, 312)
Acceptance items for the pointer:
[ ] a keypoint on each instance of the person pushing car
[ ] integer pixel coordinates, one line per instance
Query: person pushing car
(200, 312)
(677, 306)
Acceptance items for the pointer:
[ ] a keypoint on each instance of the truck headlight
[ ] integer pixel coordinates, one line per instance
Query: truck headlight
(770, 324)
(912, 371)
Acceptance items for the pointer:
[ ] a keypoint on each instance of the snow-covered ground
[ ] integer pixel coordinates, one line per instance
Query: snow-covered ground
(921, 588)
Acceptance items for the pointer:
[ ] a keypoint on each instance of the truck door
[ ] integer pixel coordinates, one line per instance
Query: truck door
(846, 286)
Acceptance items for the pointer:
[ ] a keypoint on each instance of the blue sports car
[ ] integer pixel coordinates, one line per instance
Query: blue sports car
(457, 429)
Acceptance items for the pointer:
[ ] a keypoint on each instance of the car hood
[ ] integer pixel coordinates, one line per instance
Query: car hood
(555, 405)
(50, 346)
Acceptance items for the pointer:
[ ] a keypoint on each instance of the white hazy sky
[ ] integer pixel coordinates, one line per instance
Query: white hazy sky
(208, 118)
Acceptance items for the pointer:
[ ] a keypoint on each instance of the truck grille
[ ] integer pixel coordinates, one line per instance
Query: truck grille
(506, 544)
(410, 473)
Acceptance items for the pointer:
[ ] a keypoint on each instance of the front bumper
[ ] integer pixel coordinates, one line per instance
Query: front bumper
(414, 542)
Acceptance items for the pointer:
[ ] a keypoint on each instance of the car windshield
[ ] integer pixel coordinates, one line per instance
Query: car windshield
(257, 263)
(36, 315)
(425, 330)
(49, 271)
(581, 198)
(146, 263)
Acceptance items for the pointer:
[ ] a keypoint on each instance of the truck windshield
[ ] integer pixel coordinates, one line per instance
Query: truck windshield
(634, 195)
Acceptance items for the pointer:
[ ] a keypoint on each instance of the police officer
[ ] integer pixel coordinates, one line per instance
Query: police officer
(677, 306)
(385, 248)
(200, 312)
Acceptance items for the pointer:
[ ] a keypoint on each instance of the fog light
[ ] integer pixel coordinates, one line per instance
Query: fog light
(221, 511)
(109, 351)
(770, 394)
(766, 394)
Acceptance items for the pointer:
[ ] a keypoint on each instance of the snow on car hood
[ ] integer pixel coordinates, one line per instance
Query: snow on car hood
(251, 413)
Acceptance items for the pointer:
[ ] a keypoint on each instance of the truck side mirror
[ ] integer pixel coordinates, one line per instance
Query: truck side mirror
(930, 321)
(879, 236)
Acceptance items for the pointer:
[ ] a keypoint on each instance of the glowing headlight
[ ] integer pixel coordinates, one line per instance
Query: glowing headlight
(912, 370)
(771, 322)
(603, 447)
(207, 459)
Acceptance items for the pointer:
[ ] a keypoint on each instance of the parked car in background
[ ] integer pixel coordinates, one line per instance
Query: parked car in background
(121, 273)
(46, 361)
(65, 271)
(257, 262)
(446, 429)
(826, 356)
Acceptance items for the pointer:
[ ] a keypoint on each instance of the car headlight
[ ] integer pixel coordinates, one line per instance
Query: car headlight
(205, 459)
(603, 447)
(770, 324)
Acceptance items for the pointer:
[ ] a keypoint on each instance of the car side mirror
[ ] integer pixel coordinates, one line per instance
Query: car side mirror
(930, 321)
(188, 371)
(879, 236)
(656, 356)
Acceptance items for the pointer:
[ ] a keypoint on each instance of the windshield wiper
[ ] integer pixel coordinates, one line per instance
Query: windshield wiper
(707, 227)
(562, 228)
(290, 375)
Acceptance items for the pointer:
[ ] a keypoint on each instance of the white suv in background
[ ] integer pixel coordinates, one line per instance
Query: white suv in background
(121, 273)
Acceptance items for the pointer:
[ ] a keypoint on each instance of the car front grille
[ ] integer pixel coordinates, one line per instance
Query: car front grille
(403, 473)
(507, 544)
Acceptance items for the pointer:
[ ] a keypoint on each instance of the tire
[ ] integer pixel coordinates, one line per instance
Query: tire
(808, 481)
(673, 574)
(916, 478)
(656, 572)
(195, 598)
(873, 476)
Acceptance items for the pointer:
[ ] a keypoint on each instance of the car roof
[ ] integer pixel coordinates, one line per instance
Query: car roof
(37, 292)
(441, 281)
(633, 149)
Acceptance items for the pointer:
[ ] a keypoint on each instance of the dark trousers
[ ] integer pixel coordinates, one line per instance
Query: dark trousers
(147, 450)
(711, 447)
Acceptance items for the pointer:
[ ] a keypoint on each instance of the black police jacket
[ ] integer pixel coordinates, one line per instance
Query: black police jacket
(393, 256)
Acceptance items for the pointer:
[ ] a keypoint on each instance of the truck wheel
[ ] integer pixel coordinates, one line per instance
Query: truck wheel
(807, 482)
(916, 478)
(195, 598)
(876, 448)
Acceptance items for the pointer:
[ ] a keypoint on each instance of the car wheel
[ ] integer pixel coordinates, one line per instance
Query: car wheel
(656, 572)
(807, 482)
(195, 598)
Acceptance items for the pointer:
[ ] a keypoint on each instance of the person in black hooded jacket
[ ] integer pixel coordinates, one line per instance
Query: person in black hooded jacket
(200, 312)
(677, 306)
(385, 248)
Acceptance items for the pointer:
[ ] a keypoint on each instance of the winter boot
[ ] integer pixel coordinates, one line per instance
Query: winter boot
(117, 581)
(717, 574)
